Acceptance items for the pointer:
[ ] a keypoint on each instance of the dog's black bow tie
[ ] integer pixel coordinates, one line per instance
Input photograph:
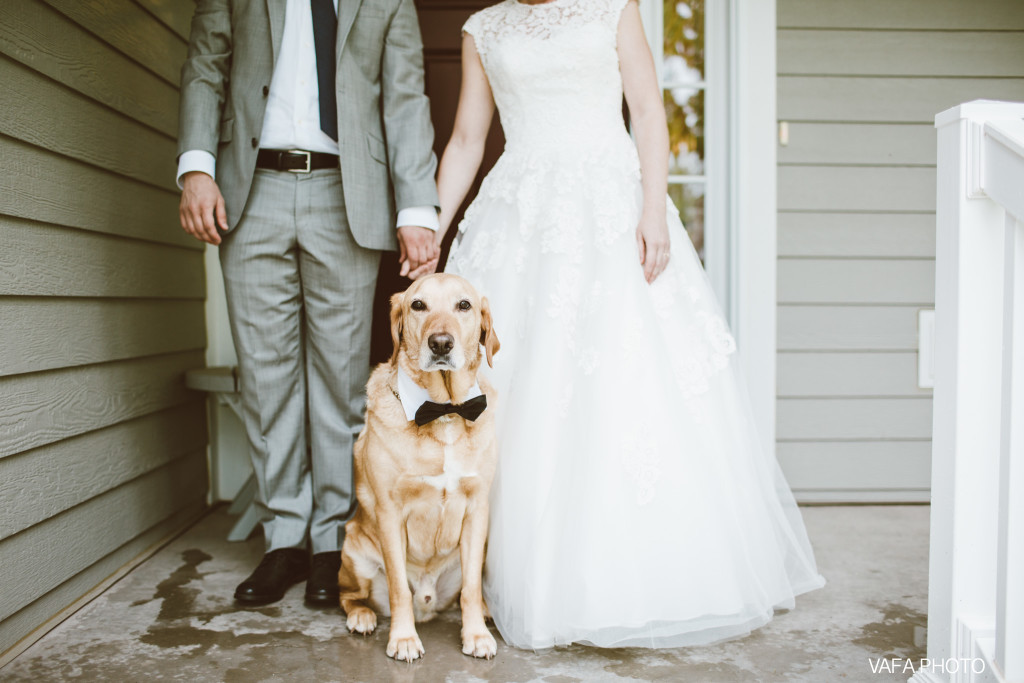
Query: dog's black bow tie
(471, 410)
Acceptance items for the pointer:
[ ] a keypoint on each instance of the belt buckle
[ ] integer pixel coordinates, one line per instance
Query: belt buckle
(309, 157)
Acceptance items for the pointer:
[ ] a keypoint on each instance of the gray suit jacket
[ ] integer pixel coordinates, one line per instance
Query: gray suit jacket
(385, 136)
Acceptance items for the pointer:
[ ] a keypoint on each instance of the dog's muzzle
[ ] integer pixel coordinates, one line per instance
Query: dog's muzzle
(441, 345)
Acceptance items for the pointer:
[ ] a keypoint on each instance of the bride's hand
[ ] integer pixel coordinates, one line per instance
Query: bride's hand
(653, 244)
(426, 269)
(431, 265)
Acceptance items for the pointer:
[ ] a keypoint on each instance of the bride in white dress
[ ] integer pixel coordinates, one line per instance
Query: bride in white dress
(633, 505)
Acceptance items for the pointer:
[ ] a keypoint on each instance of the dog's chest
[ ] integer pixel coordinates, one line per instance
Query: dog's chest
(454, 469)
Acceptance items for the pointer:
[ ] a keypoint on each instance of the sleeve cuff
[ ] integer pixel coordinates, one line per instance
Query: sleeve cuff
(424, 216)
(196, 160)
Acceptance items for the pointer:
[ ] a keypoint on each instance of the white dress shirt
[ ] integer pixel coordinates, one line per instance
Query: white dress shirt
(292, 118)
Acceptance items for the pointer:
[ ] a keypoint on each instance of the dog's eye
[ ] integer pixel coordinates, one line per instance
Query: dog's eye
(464, 305)
(418, 305)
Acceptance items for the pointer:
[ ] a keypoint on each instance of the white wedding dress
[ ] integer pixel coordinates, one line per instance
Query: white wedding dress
(633, 505)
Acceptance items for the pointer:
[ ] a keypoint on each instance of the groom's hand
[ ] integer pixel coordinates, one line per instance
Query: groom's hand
(202, 207)
(417, 247)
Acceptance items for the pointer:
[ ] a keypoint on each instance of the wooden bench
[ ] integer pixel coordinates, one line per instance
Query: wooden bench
(222, 384)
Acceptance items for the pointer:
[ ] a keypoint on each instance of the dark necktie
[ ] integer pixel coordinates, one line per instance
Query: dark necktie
(471, 410)
(325, 32)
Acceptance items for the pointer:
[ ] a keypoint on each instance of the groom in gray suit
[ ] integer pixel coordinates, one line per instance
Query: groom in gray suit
(305, 149)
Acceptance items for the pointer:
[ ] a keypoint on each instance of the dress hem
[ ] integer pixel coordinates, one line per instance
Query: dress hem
(726, 629)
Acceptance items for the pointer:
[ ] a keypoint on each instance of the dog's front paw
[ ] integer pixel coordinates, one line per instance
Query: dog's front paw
(361, 620)
(479, 644)
(404, 647)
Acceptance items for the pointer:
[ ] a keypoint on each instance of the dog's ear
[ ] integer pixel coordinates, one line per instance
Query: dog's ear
(487, 336)
(397, 320)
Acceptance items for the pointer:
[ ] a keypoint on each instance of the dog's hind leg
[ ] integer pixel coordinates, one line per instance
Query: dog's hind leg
(355, 590)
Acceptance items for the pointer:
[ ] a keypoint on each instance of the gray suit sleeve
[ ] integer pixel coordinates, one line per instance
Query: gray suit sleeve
(204, 77)
(406, 109)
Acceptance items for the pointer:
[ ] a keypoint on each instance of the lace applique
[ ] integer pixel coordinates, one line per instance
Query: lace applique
(719, 337)
(708, 343)
(512, 17)
(698, 408)
(564, 303)
(519, 262)
(641, 461)
(531, 305)
(588, 360)
(610, 196)
(562, 407)
(485, 252)
(633, 331)
(593, 300)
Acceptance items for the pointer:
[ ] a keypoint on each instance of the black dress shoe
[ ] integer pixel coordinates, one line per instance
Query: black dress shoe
(277, 572)
(322, 586)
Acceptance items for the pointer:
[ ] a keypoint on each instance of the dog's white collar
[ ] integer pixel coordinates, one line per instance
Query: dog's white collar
(413, 395)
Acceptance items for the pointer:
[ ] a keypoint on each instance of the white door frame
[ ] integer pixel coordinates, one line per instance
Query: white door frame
(753, 203)
(741, 254)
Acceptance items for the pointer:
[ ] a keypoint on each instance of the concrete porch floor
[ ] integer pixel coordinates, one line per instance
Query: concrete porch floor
(173, 618)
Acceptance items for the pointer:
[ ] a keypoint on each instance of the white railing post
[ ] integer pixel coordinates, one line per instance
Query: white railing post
(1003, 180)
(1009, 650)
(976, 507)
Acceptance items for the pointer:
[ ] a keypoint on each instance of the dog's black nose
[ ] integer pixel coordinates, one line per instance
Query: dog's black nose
(441, 343)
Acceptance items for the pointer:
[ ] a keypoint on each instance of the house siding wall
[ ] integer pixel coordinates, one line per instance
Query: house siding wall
(102, 449)
(859, 84)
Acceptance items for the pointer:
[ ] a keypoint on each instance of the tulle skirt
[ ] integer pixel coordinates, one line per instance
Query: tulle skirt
(633, 504)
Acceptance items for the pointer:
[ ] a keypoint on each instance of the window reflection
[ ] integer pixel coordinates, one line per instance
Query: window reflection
(683, 84)
(684, 109)
(684, 40)
(689, 199)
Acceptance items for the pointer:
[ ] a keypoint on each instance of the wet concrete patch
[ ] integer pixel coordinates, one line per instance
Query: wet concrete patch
(894, 634)
(177, 599)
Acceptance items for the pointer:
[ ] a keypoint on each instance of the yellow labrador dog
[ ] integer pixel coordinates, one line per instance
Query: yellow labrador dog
(423, 470)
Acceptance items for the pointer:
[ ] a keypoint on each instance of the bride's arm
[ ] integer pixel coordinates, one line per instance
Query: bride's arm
(647, 112)
(465, 150)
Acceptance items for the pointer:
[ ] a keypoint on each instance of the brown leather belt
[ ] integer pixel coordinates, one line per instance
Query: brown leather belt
(295, 160)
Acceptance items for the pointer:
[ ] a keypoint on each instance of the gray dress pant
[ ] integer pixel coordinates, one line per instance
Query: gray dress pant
(300, 295)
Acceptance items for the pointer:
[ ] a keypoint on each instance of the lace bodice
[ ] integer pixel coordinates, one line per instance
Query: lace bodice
(554, 72)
